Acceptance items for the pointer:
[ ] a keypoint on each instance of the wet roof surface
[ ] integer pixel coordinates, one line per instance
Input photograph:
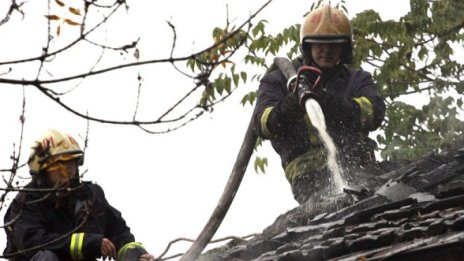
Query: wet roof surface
(418, 214)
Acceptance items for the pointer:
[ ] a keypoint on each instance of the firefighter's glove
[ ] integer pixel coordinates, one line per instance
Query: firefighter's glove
(306, 84)
(341, 110)
(290, 109)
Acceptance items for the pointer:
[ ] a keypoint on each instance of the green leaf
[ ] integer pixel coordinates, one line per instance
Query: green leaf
(244, 76)
(217, 32)
(191, 64)
(259, 28)
(236, 78)
(260, 164)
(249, 97)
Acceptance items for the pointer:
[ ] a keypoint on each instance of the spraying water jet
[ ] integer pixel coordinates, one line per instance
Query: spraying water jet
(306, 84)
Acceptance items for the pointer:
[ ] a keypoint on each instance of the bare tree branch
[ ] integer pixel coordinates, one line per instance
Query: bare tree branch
(161, 256)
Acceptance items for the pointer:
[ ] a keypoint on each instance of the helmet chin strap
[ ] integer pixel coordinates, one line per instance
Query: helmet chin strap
(68, 180)
(66, 189)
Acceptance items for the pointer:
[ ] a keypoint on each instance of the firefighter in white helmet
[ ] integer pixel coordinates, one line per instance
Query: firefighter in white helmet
(58, 217)
(348, 97)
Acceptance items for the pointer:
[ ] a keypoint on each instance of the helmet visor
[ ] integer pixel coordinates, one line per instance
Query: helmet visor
(325, 40)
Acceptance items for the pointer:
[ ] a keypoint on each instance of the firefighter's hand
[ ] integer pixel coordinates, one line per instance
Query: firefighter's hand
(146, 257)
(108, 250)
(290, 108)
(308, 77)
(307, 84)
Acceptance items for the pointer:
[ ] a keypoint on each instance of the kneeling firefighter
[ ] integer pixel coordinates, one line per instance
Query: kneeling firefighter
(59, 217)
(348, 97)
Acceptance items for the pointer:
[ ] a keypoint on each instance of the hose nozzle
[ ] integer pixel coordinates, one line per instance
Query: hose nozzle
(306, 84)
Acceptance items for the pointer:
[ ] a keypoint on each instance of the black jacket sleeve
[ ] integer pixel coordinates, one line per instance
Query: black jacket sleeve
(268, 118)
(368, 90)
(115, 226)
(117, 230)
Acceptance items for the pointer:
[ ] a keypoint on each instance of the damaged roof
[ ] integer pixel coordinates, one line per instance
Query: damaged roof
(416, 214)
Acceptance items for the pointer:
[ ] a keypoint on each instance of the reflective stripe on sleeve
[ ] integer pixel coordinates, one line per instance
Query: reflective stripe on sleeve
(307, 163)
(367, 111)
(122, 252)
(263, 121)
(75, 248)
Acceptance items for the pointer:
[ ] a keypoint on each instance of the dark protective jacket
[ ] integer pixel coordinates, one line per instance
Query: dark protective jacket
(72, 228)
(349, 132)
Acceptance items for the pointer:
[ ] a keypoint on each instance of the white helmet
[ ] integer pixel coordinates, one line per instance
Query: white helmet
(52, 147)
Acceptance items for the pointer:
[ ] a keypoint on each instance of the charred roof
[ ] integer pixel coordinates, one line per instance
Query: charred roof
(417, 213)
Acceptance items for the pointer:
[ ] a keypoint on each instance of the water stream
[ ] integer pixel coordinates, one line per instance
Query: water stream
(317, 119)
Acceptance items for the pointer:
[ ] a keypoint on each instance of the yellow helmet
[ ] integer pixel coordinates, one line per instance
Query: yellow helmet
(326, 25)
(52, 147)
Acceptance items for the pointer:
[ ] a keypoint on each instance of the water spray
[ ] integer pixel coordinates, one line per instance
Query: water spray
(306, 85)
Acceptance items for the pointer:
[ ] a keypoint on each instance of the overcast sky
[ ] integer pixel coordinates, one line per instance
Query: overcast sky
(166, 186)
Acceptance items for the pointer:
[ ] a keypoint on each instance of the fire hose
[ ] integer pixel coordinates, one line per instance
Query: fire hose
(235, 178)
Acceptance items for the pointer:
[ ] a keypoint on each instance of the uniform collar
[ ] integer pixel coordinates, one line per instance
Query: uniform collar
(339, 71)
